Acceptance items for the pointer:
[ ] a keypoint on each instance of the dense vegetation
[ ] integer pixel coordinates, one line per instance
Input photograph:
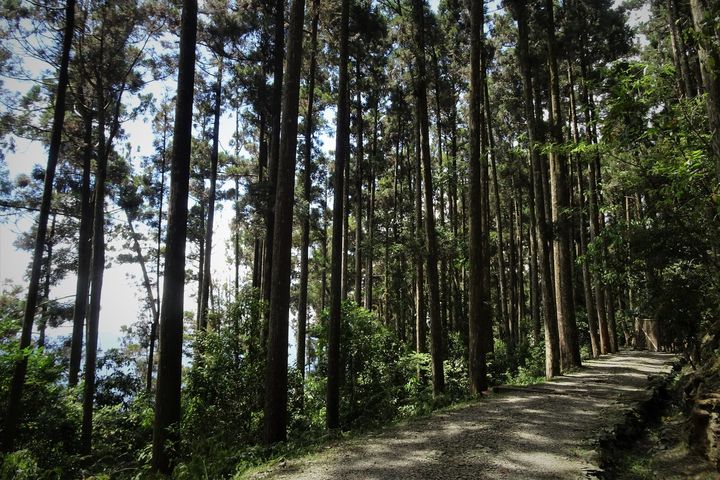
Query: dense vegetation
(513, 187)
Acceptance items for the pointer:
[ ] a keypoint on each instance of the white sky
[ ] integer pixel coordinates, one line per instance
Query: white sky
(122, 297)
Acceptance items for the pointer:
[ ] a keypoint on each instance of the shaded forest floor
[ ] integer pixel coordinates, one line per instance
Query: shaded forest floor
(547, 431)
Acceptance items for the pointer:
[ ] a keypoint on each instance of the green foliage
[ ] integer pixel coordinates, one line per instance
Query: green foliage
(19, 465)
(369, 354)
(121, 436)
(222, 409)
(50, 418)
(523, 365)
(666, 255)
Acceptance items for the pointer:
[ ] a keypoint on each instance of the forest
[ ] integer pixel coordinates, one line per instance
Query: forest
(417, 202)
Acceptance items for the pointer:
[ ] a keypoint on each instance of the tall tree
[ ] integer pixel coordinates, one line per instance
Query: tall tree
(164, 126)
(167, 397)
(478, 297)
(552, 344)
(307, 195)
(276, 369)
(567, 327)
(84, 254)
(430, 233)
(12, 413)
(359, 164)
(342, 141)
(96, 279)
(275, 132)
(210, 224)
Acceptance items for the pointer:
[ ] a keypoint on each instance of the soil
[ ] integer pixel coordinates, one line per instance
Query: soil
(547, 431)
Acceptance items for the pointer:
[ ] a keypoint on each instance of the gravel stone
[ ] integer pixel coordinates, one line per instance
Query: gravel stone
(547, 431)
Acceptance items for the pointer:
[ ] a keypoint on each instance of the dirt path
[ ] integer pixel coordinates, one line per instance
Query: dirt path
(546, 432)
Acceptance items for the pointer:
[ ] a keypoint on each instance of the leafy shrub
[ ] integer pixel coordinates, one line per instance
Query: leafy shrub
(50, 417)
(222, 409)
(371, 379)
(524, 365)
(19, 465)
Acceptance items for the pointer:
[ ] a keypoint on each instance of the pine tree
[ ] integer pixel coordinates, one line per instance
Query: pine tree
(167, 398)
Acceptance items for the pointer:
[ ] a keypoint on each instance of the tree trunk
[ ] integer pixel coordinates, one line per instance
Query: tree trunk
(307, 185)
(257, 280)
(358, 189)
(210, 224)
(156, 318)
(275, 116)
(430, 233)
(534, 266)
(97, 273)
(167, 396)
(42, 324)
(587, 279)
(517, 321)
(420, 313)
(371, 216)
(13, 411)
(84, 256)
(346, 229)
(594, 223)
(276, 370)
(478, 294)
(341, 153)
(687, 87)
(567, 328)
(143, 266)
(236, 204)
(502, 280)
(324, 247)
(552, 344)
(201, 257)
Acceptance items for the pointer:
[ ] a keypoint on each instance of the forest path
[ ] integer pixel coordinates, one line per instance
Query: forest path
(549, 431)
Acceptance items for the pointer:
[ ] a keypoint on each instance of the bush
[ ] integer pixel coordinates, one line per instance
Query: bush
(222, 409)
(49, 424)
(369, 355)
(523, 366)
(19, 465)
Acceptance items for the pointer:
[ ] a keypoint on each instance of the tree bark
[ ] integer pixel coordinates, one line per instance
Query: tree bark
(420, 312)
(567, 328)
(13, 411)
(275, 133)
(478, 298)
(97, 273)
(587, 279)
(307, 198)
(42, 324)
(84, 256)
(520, 289)
(341, 152)
(430, 233)
(210, 223)
(358, 188)
(594, 223)
(167, 397)
(276, 370)
(709, 62)
(156, 318)
(147, 284)
(552, 344)
(502, 279)
(371, 215)
(687, 87)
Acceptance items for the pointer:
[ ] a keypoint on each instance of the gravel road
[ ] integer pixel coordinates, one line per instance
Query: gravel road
(547, 431)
